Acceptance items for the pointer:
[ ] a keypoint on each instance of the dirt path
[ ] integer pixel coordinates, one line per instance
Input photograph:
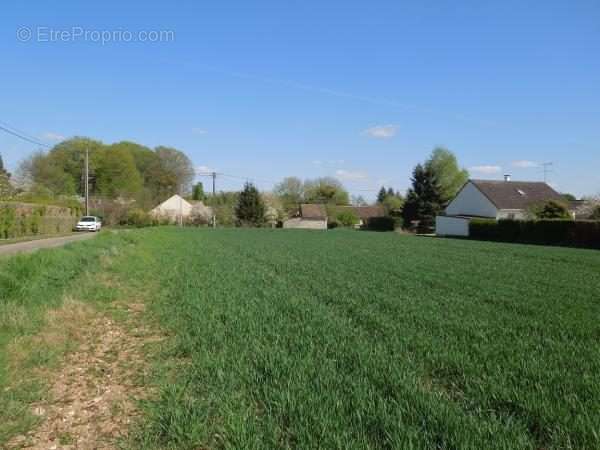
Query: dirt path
(92, 398)
(30, 246)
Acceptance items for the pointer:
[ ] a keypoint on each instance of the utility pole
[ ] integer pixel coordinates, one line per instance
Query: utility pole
(87, 181)
(546, 167)
(214, 217)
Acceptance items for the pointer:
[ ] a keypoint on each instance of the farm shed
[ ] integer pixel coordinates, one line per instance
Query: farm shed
(310, 216)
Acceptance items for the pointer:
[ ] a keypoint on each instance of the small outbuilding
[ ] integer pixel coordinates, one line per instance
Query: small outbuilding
(310, 217)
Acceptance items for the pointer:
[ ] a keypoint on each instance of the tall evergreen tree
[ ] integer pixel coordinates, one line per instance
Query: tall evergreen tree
(424, 199)
(250, 210)
(381, 195)
(198, 191)
(390, 192)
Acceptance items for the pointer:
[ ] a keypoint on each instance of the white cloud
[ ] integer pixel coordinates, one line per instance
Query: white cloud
(346, 175)
(381, 131)
(524, 164)
(204, 169)
(199, 131)
(486, 169)
(53, 136)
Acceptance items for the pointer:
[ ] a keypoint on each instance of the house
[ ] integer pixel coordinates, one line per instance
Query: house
(310, 216)
(492, 199)
(315, 216)
(176, 209)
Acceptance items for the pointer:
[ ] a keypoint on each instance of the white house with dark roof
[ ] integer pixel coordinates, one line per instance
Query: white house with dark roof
(492, 199)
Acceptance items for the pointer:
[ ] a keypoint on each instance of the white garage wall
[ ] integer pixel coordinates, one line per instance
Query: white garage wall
(451, 226)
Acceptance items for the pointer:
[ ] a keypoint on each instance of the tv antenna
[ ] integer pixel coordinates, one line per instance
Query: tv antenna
(547, 168)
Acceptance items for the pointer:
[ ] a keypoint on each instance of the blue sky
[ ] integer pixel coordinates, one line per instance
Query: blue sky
(358, 90)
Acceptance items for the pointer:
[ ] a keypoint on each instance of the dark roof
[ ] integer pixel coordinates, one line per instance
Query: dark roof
(366, 212)
(318, 211)
(516, 194)
(313, 211)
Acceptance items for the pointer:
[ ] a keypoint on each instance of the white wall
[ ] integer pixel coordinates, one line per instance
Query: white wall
(451, 226)
(471, 202)
(514, 214)
(173, 207)
(305, 224)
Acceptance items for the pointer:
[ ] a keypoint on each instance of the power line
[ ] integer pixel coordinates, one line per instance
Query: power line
(21, 135)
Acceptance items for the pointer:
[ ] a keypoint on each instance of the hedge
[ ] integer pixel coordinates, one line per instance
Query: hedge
(568, 233)
(380, 224)
(17, 220)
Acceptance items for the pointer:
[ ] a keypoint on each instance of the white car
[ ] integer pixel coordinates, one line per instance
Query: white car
(89, 223)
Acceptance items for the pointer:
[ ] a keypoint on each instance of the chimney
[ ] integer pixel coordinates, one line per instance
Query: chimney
(507, 177)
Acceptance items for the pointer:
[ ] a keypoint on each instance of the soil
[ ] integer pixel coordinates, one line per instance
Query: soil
(93, 396)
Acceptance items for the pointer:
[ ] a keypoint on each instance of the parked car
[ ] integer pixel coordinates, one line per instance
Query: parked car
(89, 223)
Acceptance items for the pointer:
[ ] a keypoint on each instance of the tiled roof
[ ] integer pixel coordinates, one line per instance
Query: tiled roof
(313, 211)
(516, 194)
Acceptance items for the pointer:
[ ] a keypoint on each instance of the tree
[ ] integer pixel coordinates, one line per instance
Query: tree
(326, 190)
(117, 175)
(46, 172)
(568, 197)
(450, 177)
(381, 195)
(552, 210)
(250, 210)
(6, 189)
(290, 192)
(2, 169)
(358, 200)
(424, 199)
(595, 215)
(198, 191)
(224, 205)
(173, 172)
(393, 204)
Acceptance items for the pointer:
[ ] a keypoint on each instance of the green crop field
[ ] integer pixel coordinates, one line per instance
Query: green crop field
(299, 339)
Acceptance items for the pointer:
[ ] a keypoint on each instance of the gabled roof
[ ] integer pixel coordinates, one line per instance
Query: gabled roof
(367, 212)
(516, 194)
(313, 211)
(318, 211)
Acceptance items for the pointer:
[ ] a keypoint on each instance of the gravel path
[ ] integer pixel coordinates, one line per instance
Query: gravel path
(30, 246)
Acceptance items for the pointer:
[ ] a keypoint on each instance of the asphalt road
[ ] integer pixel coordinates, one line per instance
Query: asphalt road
(31, 246)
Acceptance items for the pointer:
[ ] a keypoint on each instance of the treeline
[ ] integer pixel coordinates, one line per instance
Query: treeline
(124, 170)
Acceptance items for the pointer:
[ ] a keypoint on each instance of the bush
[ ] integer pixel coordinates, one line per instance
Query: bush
(137, 217)
(546, 232)
(552, 210)
(347, 218)
(380, 224)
